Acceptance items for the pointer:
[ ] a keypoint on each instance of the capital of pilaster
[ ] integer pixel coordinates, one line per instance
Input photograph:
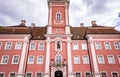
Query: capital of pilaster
(27, 38)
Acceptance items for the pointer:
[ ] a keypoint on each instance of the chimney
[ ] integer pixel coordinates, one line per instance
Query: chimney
(93, 23)
(32, 24)
(81, 24)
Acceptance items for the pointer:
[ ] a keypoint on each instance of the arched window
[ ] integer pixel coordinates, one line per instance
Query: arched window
(58, 59)
(58, 15)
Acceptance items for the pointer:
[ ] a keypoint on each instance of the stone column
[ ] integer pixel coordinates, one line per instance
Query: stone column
(23, 60)
(47, 64)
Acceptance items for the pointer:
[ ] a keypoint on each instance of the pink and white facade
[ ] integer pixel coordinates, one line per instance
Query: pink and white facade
(58, 49)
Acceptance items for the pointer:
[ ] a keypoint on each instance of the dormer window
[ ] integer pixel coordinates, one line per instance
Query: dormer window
(58, 15)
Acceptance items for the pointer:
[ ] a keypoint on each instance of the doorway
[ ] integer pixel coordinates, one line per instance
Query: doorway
(58, 73)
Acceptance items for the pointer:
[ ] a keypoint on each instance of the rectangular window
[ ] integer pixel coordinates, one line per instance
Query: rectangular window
(100, 59)
(15, 59)
(85, 60)
(119, 58)
(115, 74)
(107, 46)
(12, 74)
(103, 74)
(40, 60)
(75, 46)
(39, 75)
(1, 74)
(76, 60)
(84, 46)
(97, 45)
(29, 74)
(4, 59)
(32, 46)
(18, 45)
(41, 46)
(8, 46)
(30, 60)
(0, 45)
(78, 74)
(87, 74)
(111, 60)
(117, 45)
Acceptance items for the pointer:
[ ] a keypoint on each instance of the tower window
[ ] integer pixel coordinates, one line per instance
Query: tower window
(58, 15)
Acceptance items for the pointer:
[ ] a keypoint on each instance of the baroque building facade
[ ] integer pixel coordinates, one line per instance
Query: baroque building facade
(58, 49)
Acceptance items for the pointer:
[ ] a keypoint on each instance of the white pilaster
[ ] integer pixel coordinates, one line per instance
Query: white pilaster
(49, 29)
(50, 14)
(95, 65)
(21, 70)
(66, 13)
(69, 57)
(67, 29)
(47, 64)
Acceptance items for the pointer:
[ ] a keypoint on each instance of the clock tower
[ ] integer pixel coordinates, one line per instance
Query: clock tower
(58, 17)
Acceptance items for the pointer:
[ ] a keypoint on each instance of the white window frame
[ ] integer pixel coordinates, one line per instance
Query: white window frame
(84, 61)
(6, 46)
(75, 45)
(0, 45)
(7, 59)
(32, 48)
(41, 46)
(14, 58)
(109, 46)
(30, 73)
(118, 56)
(117, 47)
(78, 72)
(36, 74)
(17, 47)
(98, 47)
(84, 46)
(103, 72)
(3, 73)
(103, 62)
(41, 60)
(60, 45)
(29, 59)
(12, 72)
(78, 59)
(114, 72)
(87, 72)
(112, 57)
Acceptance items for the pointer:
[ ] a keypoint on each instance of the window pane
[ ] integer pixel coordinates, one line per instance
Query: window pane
(0, 45)
(107, 45)
(40, 60)
(117, 45)
(97, 45)
(8, 45)
(85, 60)
(78, 75)
(58, 59)
(111, 59)
(30, 60)
(41, 46)
(32, 46)
(15, 59)
(114, 75)
(87, 74)
(103, 74)
(75, 46)
(119, 59)
(84, 46)
(100, 59)
(76, 60)
(12, 74)
(18, 45)
(1, 74)
(39, 75)
(29, 75)
(4, 59)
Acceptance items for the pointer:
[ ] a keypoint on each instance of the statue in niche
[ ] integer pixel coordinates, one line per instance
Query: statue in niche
(58, 45)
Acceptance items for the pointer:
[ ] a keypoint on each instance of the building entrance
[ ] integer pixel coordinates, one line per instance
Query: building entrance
(58, 73)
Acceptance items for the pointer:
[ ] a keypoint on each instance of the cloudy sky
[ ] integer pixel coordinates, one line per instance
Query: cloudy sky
(105, 12)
